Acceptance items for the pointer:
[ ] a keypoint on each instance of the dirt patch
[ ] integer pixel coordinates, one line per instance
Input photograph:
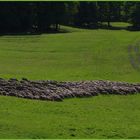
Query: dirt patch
(57, 91)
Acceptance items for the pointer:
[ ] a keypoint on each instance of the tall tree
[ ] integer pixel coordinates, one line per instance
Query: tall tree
(135, 16)
(87, 14)
(104, 12)
(109, 11)
(71, 12)
(127, 9)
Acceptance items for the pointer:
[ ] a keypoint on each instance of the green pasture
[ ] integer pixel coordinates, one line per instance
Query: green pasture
(96, 117)
(79, 54)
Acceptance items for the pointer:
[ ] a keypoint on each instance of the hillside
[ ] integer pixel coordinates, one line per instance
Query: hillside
(79, 54)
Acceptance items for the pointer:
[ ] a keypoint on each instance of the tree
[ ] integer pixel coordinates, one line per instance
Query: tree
(71, 12)
(47, 16)
(15, 16)
(134, 15)
(109, 11)
(104, 12)
(127, 10)
(87, 14)
(58, 13)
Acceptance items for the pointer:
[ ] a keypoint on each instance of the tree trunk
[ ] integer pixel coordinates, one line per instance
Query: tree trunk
(108, 24)
(56, 26)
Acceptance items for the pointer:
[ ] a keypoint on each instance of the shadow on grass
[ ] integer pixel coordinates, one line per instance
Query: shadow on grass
(128, 28)
(106, 27)
(34, 32)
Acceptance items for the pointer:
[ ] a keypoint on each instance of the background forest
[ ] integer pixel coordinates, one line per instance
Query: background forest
(37, 17)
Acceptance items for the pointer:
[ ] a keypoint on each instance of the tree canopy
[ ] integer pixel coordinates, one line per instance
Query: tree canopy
(47, 16)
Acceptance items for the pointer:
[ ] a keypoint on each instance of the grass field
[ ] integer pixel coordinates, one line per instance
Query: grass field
(79, 54)
(97, 117)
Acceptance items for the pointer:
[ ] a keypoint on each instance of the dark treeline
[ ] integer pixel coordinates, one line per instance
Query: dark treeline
(37, 17)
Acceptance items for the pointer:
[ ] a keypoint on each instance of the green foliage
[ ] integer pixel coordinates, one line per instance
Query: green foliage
(135, 16)
(127, 9)
(71, 11)
(39, 17)
(87, 14)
